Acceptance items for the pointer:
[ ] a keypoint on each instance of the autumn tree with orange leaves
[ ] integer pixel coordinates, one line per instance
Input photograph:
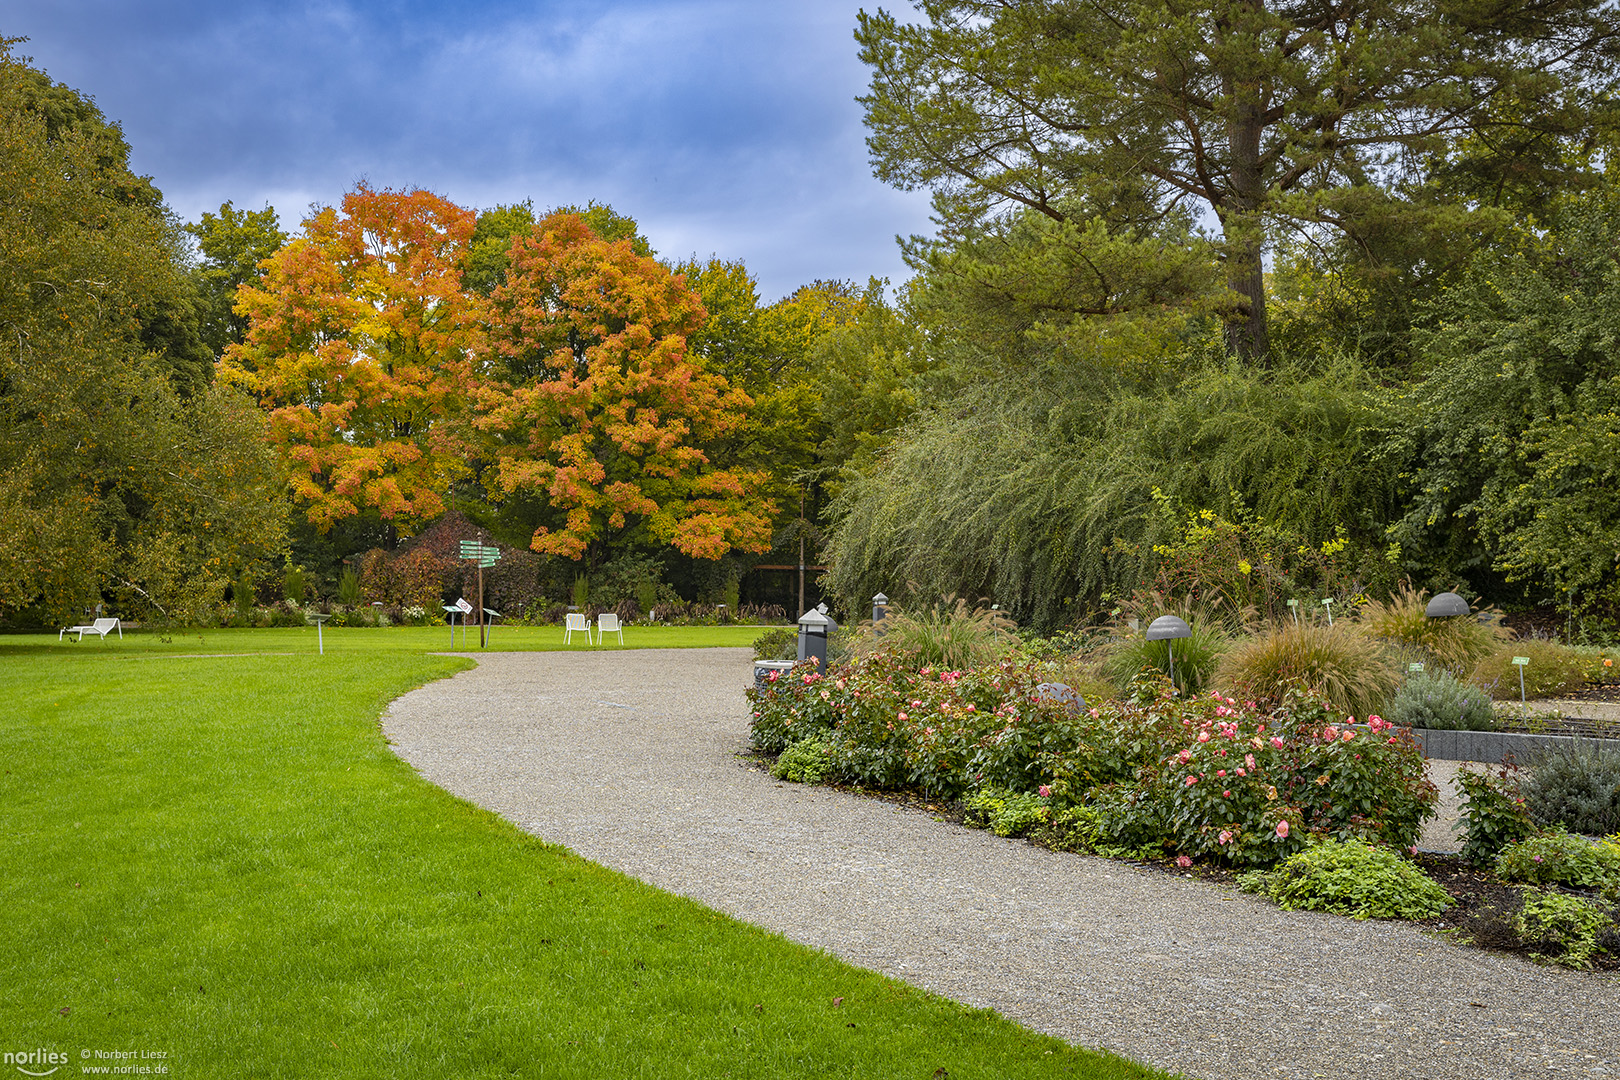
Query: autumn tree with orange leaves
(363, 345)
(596, 403)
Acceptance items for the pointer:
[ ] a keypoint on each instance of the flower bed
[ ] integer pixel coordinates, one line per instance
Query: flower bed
(1203, 777)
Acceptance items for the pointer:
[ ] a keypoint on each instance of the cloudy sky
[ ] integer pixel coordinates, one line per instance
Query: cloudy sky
(723, 126)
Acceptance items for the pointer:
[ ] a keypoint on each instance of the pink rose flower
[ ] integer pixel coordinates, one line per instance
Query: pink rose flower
(1183, 861)
(1045, 792)
(1185, 756)
(1226, 794)
(900, 716)
(1226, 836)
(1203, 736)
(1220, 772)
(1277, 742)
(1282, 830)
(1248, 759)
(1241, 771)
(1191, 780)
(1330, 733)
(1347, 736)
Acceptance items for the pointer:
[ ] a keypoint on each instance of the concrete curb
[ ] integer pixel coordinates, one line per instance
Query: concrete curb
(1493, 746)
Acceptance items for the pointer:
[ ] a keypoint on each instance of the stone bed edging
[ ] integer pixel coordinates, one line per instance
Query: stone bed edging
(1492, 746)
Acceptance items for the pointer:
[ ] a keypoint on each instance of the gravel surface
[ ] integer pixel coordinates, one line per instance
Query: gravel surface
(631, 759)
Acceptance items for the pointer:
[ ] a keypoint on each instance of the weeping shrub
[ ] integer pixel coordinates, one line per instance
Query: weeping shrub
(1048, 490)
(1345, 666)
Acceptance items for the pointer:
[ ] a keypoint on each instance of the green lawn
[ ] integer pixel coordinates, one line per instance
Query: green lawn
(218, 859)
(394, 639)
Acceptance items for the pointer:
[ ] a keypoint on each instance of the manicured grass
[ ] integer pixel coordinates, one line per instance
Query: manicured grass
(220, 860)
(371, 640)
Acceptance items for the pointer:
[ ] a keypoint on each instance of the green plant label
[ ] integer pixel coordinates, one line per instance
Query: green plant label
(1521, 660)
(1414, 668)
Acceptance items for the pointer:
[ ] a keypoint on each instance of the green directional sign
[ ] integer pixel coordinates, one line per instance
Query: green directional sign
(486, 556)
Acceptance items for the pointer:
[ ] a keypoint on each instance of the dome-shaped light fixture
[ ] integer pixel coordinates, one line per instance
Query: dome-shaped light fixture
(1166, 628)
(1446, 605)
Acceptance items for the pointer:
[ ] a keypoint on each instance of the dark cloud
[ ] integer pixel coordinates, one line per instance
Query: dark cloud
(722, 126)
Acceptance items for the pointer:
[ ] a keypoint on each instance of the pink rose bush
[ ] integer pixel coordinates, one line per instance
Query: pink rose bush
(1135, 770)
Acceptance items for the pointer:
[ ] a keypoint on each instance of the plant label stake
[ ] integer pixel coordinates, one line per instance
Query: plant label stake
(1521, 662)
(1414, 669)
(1293, 609)
(1328, 603)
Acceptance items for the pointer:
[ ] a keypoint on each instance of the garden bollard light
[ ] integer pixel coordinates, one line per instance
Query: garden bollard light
(1166, 628)
(814, 630)
(880, 611)
(1446, 605)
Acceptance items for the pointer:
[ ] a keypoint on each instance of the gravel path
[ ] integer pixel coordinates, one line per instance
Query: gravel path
(630, 759)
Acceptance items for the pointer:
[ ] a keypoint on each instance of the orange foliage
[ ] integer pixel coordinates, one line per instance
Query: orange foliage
(361, 342)
(603, 407)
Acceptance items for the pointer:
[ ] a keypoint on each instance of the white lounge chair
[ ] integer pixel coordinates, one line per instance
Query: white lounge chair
(100, 626)
(577, 622)
(608, 623)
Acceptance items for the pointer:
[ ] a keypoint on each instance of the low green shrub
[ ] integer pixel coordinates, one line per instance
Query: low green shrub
(1005, 813)
(1070, 828)
(1577, 787)
(348, 588)
(1554, 669)
(1350, 878)
(1439, 701)
(1196, 657)
(1493, 813)
(1345, 666)
(808, 761)
(778, 643)
(1560, 858)
(1561, 929)
(1457, 643)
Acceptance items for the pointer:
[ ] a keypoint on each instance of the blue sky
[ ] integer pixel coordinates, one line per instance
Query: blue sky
(723, 126)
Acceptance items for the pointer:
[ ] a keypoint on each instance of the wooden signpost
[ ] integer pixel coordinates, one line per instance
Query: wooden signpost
(484, 555)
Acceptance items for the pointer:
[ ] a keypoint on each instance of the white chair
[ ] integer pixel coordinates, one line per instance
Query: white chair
(100, 626)
(608, 623)
(577, 622)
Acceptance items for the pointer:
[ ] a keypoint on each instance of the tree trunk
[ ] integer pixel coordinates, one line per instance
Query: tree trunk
(1242, 221)
(1246, 335)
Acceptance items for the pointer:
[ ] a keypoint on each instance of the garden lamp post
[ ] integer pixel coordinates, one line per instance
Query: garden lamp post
(1445, 606)
(1167, 628)
(880, 611)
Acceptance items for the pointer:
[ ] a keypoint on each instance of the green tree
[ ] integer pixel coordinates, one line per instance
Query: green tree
(1504, 445)
(1325, 118)
(233, 244)
(120, 473)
